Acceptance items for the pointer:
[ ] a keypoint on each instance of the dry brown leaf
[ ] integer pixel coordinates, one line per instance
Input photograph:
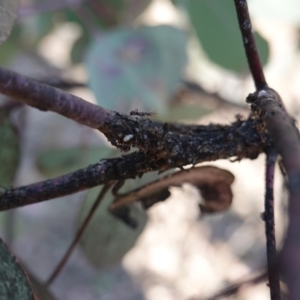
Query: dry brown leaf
(214, 184)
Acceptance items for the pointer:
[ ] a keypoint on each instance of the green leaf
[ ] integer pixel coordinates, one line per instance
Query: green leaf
(8, 14)
(9, 150)
(217, 28)
(11, 47)
(14, 284)
(140, 68)
(186, 112)
(38, 26)
(107, 239)
(57, 162)
(79, 48)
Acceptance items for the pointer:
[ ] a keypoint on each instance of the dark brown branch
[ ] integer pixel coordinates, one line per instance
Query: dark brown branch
(207, 143)
(78, 235)
(273, 275)
(249, 44)
(268, 108)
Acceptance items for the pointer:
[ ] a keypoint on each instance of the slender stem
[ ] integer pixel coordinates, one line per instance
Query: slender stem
(249, 44)
(273, 274)
(78, 235)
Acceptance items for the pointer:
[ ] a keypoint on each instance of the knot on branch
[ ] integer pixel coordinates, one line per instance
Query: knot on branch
(266, 103)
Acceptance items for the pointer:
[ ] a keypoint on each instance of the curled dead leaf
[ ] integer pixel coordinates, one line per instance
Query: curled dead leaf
(213, 183)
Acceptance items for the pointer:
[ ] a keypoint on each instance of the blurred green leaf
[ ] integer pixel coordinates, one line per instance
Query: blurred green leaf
(14, 284)
(40, 25)
(217, 28)
(9, 149)
(186, 112)
(136, 68)
(11, 46)
(57, 162)
(133, 9)
(107, 239)
(8, 14)
(79, 48)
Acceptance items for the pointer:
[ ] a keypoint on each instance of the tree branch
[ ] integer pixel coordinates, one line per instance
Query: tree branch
(47, 98)
(268, 107)
(207, 143)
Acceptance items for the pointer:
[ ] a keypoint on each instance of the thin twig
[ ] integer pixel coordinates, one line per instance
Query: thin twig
(273, 275)
(250, 45)
(78, 235)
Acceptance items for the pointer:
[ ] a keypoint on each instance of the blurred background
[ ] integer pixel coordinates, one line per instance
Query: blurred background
(182, 60)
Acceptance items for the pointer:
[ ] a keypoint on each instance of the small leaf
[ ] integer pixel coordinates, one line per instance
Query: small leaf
(9, 149)
(140, 68)
(107, 239)
(8, 14)
(14, 284)
(217, 28)
(213, 183)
